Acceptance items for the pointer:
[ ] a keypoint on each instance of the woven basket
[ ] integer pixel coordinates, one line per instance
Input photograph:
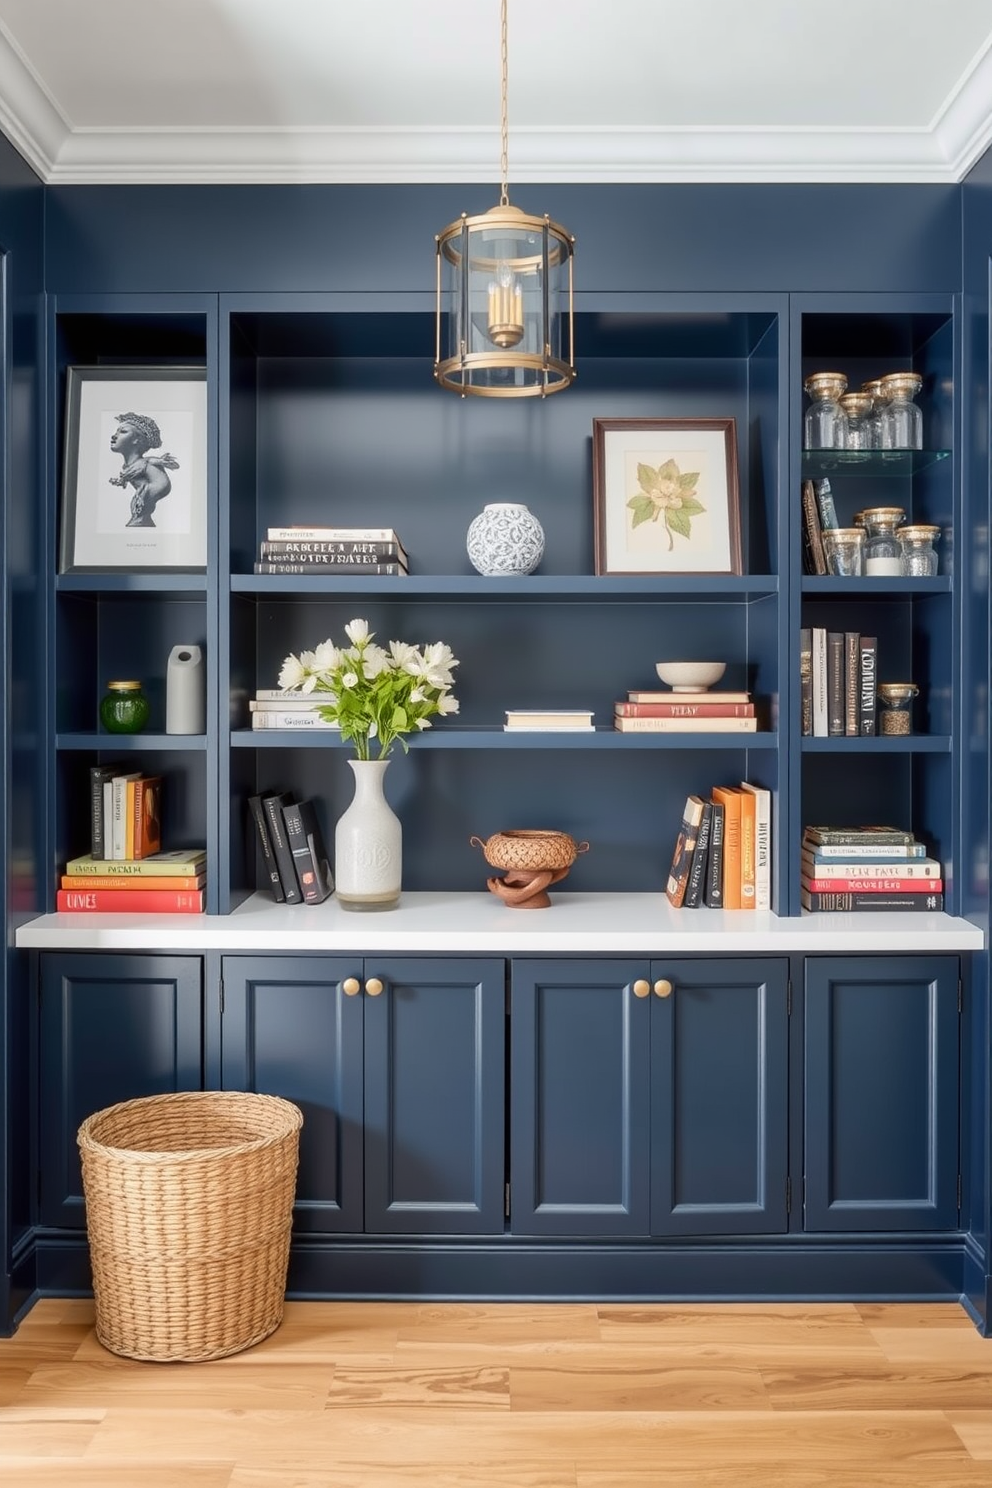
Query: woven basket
(189, 1205)
(534, 849)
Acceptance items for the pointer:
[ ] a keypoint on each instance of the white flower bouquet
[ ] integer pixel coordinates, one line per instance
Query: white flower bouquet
(371, 693)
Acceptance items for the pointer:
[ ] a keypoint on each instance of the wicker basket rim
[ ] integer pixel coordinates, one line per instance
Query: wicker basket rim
(291, 1114)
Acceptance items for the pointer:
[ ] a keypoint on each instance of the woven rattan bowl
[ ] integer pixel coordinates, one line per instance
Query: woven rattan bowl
(531, 849)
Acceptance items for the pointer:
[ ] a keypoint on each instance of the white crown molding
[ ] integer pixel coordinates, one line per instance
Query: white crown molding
(571, 155)
(942, 153)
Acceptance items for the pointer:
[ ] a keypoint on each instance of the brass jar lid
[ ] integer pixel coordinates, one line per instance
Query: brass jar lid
(825, 382)
(856, 402)
(873, 388)
(123, 686)
(902, 382)
(919, 532)
(890, 515)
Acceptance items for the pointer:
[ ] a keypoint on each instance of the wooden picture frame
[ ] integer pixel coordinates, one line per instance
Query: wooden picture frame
(134, 479)
(666, 497)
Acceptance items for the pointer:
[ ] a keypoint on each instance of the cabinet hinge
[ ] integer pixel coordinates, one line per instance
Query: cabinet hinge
(506, 1201)
(788, 1195)
(788, 998)
(960, 1194)
(960, 996)
(221, 989)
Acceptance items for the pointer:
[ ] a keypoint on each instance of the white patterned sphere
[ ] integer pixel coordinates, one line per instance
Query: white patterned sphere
(505, 538)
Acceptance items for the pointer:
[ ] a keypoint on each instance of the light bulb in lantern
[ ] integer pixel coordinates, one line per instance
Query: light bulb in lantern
(506, 308)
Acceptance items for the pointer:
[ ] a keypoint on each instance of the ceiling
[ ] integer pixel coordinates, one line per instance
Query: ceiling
(409, 90)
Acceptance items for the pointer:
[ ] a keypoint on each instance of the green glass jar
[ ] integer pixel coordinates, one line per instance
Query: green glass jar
(124, 709)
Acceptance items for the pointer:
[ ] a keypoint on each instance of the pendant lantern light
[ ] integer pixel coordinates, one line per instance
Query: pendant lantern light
(504, 324)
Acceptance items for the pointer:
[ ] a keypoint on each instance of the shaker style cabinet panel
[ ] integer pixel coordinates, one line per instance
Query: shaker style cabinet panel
(397, 1065)
(649, 1097)
(719, 1096)
(881, 1083)
(111, 1028)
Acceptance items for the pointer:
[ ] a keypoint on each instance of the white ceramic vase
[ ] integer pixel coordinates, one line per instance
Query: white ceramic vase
(505, 539)
(368, 844)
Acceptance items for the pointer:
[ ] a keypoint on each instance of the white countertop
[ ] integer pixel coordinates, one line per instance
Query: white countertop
(615, 924)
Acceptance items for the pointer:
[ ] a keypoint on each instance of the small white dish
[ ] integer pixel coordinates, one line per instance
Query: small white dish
(690, 676)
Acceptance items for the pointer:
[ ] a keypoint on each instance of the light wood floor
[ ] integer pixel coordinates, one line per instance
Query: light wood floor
(439, 1395)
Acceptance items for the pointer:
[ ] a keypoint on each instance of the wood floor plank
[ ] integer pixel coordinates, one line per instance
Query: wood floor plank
(538, 1475)
(974, 1427)
(755, 1328)
(43, 1432)
(963, 1474)
(471, 1387)
(886, 1386)
(70, 1472)
(501, 1323)
(126, 1383)
(627, 1383)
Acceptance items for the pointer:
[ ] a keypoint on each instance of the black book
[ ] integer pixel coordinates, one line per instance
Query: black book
(697, 868)
(304, 550)
(868, 701)
(840, 901)
(685, 847)
(835, 682)
(273, 804)
(806, 681)
(713, 887)
(260, 819)
(99, 838)
(812, 531)
(306, 843)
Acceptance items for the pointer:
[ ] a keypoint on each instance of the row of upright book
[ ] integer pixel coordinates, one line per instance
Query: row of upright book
(339, 550)
(868, 868)
(838, 682)
(292, 846)
(723, 853)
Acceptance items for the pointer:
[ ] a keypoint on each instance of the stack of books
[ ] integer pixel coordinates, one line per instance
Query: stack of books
(549, 720)
(292, 845)
(340, 550)
(125, 813)
(723, 852)
(165, 883)
(837, 682)
(271, 708)
(819, 516)
(856, 868)
(671, 712)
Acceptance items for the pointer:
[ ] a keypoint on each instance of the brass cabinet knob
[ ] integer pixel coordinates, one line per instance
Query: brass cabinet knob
(373, 986)
(351, 986)
(662, 988)
(641, 988)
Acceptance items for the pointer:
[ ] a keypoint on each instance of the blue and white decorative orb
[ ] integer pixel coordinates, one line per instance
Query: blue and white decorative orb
(505, 539)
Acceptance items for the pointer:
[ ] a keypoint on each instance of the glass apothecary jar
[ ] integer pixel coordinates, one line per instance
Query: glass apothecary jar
(857, 409)
(825, 422)
(919, 555)
(895, 713)
(879, 403)
(883, 547)
(844, 550)
(124, 708)
(902, 421)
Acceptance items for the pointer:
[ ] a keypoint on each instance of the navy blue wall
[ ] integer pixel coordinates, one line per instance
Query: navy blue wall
(367, 238)
(24, 644)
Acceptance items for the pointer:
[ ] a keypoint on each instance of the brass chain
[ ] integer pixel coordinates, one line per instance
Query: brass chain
(504, 196)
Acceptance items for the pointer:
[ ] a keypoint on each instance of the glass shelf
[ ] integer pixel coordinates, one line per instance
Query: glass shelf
(874, 463)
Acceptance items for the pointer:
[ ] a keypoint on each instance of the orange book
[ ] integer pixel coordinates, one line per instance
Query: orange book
(145, 817)
(748, 850)
(130, 901)
(730, 800)
(181, 881)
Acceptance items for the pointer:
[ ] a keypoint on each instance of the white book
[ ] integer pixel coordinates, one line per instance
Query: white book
(819, 669)
(118, 819)
(549, 728)
(762, 844)
(286, 702)
(331, 534)
(289, 718)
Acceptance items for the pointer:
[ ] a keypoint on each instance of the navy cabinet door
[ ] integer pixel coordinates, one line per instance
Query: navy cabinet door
(434, 1098)
(881, 1097)
(719, 1097)
(111, 1028)
(401, 1091)
(579, 1102)
(290, 1029)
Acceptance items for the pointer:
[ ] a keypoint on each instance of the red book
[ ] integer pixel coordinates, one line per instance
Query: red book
(684, 710)
(146, 818)
(874, 885)
(130, 901)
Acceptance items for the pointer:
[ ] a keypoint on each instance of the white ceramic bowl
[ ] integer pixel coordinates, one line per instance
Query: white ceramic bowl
(690, 676)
